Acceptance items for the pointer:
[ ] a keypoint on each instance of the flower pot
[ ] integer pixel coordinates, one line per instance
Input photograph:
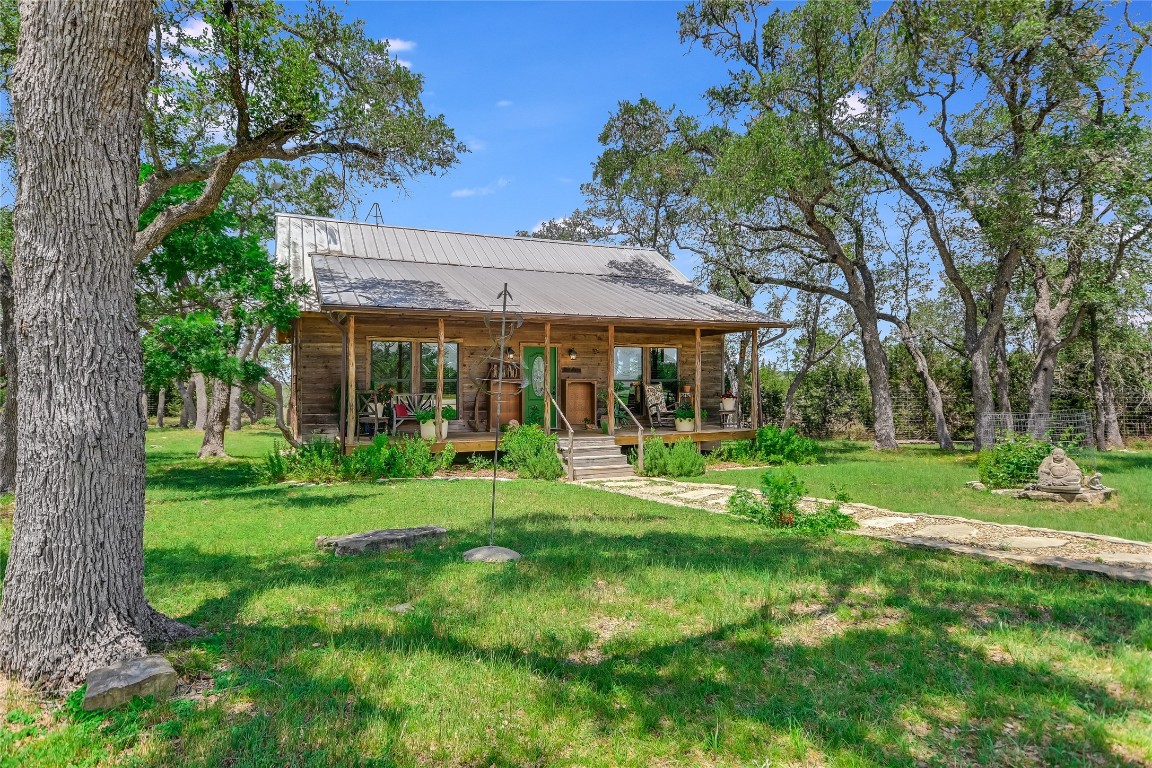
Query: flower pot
(444, 429)
(428, 430)
(727, 403)
(685, 425)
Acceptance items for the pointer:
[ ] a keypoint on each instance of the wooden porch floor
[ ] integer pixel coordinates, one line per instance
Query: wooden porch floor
(465, 441)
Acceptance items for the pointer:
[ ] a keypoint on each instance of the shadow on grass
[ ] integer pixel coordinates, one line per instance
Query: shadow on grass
(846, 685)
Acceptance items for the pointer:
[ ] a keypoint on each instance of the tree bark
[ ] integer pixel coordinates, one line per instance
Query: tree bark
(217, 421)
(1003, 374)
(201, 389)
(73, 594)
(876, 364)
(186, 408)
(932, 392)
(8, 417)
(235, 411)
(1108, 434)
(160, 405)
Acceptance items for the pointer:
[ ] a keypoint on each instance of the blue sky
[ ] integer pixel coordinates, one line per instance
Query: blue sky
(528, 86)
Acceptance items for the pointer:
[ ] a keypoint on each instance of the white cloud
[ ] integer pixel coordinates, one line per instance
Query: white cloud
(195, 27)
(474, 144)
(396, 45)
(404, 63)
(853, 105)
(504, 103)
(487, 189)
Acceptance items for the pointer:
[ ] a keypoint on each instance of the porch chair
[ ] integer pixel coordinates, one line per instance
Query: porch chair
(657, 404)
(405, 407)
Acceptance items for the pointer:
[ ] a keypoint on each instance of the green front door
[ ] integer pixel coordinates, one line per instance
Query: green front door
(534, 392)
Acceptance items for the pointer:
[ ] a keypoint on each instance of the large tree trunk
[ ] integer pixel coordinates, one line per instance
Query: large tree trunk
(217, 421)
(876, 363)
(74, 591)
(235, 409)
(1108, 434)
(160, 406)
(185, 390)
(982, 403)
(1043, 379)
(8, 417)
(201, 388)
(1003, 374)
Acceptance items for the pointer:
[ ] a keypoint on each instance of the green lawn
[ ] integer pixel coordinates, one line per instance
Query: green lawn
(921, 478)
(632, 634)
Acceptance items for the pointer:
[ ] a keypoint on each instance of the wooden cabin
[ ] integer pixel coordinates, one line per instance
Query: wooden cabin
(400, 318)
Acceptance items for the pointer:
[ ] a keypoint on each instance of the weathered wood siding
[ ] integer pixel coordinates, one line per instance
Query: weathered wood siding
(319, 358)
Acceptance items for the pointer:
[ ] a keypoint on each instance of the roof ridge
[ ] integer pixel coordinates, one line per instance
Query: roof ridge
(645, 249)
(673, 271)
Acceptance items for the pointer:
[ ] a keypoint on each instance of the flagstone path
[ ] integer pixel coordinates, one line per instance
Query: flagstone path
(1066, 550)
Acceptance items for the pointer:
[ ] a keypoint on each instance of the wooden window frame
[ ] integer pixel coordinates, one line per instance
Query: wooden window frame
(414, 358)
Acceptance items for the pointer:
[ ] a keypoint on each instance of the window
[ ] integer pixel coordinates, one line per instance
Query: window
(628, 366)
(428, 352)
(392, 365)
(664, 368)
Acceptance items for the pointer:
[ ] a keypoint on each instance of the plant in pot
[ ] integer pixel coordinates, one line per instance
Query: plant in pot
(728, 401)
(589, 424)
(427, 421)
(447, 413)
(685, 416)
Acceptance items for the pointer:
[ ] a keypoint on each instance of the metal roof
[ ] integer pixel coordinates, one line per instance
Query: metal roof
(353, 266)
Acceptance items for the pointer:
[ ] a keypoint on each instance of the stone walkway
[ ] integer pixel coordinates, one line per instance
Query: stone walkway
(1044, 547)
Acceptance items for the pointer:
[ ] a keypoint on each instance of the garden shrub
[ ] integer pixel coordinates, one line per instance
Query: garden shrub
(1013, 461)
(736, 451)
(319, 461)
(531, 452)
(316, 461)
(776, 446)
(779, 506)
(683, 459)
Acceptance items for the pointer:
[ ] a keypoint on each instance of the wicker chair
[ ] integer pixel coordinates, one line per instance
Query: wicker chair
(657, 403)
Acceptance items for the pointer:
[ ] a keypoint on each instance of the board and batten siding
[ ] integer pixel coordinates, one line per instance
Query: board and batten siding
(319, 358)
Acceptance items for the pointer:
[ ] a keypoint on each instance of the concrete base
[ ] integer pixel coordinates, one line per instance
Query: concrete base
(491, 555)
(1085, 496)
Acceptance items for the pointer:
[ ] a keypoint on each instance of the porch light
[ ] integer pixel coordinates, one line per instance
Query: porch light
(571, 353)
(508, 351)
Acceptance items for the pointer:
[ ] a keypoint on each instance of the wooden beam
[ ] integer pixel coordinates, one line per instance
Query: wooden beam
(611, 399)
(696, 383)
(440, 377)
(754, 407)
(352, 417)
(548, 377)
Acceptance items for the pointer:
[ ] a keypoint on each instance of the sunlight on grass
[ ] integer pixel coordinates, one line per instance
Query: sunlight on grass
(632, 634)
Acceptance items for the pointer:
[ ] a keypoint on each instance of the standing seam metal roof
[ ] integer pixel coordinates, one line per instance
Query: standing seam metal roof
(352, 265)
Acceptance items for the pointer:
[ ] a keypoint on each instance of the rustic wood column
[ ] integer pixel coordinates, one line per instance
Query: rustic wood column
(352, 416)
(547, 377)
(699, 377)
(754, 406)
(611, 399)
(440, 378)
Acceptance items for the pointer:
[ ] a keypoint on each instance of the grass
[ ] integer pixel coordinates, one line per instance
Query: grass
(632, 634)
(920, 478)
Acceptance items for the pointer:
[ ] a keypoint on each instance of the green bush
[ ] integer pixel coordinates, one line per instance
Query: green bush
(737, 451)
(531, 452)
(316, 461)
(776, 446)
(319, 461)
(1013, 461)
(779, 506)
(683, 459)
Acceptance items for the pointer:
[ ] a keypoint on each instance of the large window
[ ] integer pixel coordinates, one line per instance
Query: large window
(428, 350)
(410, 367)
(392, 365)
(628, 367)
(664, 368)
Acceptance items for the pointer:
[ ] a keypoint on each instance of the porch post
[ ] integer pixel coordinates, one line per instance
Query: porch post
(547, 377)
(439, 378)
(611, 399)
(352, 418)
(699, 393)
(755, 404)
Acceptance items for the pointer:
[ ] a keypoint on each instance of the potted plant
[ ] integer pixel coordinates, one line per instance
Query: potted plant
(728, 401)
(447, 413)
(427, 421)
(685, 416)
(589, 424)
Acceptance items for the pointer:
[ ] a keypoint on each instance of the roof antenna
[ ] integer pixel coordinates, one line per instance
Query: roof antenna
(375, 213)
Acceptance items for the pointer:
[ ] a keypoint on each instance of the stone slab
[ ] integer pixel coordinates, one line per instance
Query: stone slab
(491, 555)
(1124, 557)
(625, 484)
(370, 542)
(1032, 542)
(700, 495)
(886, 522)
(119, 683)
(1086, 496)
(953, 531)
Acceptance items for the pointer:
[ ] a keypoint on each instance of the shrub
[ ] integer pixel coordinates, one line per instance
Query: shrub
(1013, 460)
(777, 446)
(737, 451)
(319, 461)
(683, 459)
(316, 461)
(479, 462)
(779, 506)
(531, 452)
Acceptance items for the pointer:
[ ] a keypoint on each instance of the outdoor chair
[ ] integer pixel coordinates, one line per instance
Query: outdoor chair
(657, 403)
(405, 407)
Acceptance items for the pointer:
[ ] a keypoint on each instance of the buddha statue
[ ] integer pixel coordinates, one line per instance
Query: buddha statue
(1059, 473)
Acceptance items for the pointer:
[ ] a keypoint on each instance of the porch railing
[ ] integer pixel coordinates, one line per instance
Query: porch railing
(571, 435)
(639, 432)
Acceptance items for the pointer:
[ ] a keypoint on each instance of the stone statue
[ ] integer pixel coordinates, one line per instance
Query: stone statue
(1059, 473)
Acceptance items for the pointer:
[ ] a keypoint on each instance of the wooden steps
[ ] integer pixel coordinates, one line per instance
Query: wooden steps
(595, 458)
